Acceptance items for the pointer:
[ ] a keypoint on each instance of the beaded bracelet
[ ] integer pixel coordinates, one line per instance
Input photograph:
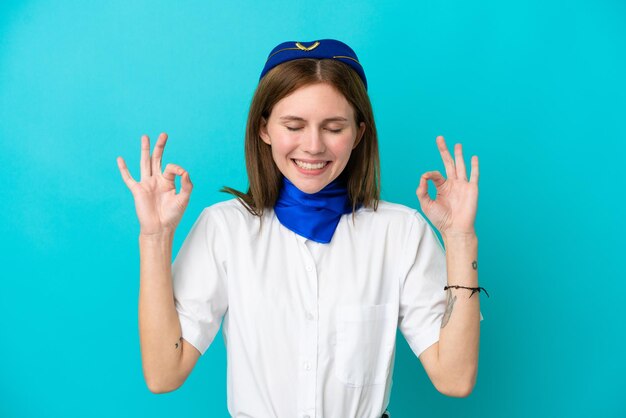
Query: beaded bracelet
(473, 289)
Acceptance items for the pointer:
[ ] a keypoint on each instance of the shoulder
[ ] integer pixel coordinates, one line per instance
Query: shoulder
(398, 222)
(228, 210)
(232, 217)
(395, 213)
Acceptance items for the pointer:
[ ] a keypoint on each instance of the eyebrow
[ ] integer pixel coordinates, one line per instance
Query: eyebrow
(298, 118)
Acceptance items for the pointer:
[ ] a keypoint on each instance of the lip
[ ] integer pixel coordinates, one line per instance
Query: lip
(310, 161)
(311, 172)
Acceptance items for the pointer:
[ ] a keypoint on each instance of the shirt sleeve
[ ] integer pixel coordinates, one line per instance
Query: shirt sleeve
(423, 275)
(200, 282)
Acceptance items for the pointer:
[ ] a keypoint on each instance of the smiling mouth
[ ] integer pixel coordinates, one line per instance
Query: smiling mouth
(310, 166)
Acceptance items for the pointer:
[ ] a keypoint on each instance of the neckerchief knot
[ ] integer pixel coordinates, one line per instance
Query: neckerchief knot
(313, 215)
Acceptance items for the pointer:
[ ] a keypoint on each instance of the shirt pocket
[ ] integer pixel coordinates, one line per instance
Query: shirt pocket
(366, 337)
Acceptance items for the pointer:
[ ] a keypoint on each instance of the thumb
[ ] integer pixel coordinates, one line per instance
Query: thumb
(186, 186)
(171, 171)
(422, 191)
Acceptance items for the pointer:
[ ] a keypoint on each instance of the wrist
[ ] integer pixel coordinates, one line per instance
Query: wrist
(165, 234)
(459, 236)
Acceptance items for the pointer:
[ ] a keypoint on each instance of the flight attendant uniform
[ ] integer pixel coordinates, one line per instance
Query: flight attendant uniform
(310, 327)
(309, 297)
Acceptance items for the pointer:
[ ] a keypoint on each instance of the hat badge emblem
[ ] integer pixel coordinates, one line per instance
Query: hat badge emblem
(307, 48)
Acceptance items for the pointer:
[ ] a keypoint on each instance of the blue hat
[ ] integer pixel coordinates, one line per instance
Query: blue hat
(323, 48)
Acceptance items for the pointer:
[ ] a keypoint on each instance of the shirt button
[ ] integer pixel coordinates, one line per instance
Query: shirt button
(306, 416)
(309, 316)
(309, 268)
(307, 366)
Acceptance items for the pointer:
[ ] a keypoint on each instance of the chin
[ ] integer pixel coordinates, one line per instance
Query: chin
(309, 189)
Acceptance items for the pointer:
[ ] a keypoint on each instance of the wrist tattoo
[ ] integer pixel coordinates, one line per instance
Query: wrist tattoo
(449, 306)
(180, 340)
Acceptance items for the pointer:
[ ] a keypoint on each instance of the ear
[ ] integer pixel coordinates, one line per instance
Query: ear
(263, 132)
(359, 135)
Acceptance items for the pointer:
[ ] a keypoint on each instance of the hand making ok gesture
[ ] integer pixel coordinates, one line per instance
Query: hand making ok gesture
(158, 207)
(454, 209)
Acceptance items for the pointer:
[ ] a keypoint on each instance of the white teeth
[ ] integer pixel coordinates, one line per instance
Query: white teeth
(309, 166)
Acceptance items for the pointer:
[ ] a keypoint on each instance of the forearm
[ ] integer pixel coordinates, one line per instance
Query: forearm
(460, 327)
(159, 326)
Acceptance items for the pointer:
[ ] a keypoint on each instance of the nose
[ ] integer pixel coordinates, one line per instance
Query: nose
(313, 142)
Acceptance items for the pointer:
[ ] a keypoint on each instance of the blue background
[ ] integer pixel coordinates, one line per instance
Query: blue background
(534, 88)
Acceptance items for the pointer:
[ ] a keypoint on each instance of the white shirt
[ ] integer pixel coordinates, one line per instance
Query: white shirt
(309, 328)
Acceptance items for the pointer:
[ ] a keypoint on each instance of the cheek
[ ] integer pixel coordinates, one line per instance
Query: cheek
(343, 147)
(281, 147)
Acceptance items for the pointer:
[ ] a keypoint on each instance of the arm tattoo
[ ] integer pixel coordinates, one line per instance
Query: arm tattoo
(475, 265)
(181, 342)
(449, 306)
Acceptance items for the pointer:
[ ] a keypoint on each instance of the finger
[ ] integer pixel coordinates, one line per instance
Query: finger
(128, 179)
(460, 162)
(474, 173)
(171, 171)
(422, 192)
(157, 154)
(436, 177)
(448, 162)
(145, 157)
(186, 186)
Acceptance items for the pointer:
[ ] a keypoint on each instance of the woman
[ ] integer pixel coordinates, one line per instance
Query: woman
(309, 270)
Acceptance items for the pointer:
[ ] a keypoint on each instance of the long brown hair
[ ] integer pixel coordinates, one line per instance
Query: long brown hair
(362, 172)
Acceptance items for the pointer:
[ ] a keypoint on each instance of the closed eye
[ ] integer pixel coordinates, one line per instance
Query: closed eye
(335, 131)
